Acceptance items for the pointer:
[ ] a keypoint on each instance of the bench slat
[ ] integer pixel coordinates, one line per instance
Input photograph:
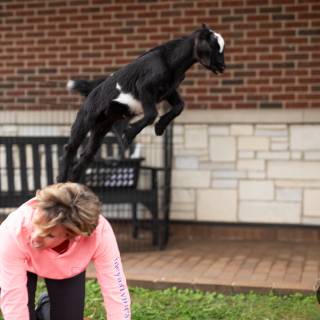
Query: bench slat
(10, 168)
(23, 166)
(49, 167)
(36, 166)
(110, 150)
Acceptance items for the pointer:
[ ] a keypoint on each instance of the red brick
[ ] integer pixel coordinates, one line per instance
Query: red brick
(236, 98)
(296, 105)
(145, 15)
(91, 37)
(258, 18)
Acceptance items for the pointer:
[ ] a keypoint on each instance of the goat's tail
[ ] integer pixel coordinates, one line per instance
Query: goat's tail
(84, 87)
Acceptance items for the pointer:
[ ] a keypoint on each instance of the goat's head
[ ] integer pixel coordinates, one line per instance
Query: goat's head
(209, 49)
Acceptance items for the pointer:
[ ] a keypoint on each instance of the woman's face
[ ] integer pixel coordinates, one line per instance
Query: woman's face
(51, 238)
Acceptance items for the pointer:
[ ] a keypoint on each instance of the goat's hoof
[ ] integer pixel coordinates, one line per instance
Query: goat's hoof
(158, 129)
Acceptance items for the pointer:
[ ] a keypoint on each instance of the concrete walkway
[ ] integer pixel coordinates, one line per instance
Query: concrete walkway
(226, 266)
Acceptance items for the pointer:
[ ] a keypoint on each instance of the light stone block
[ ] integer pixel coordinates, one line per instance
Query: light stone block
(217, 205)
(296, 155)
(271, 131)
(311, 202)
(182, 206)
(224, 184)
(178, 140)
(289, 194)
(269, 212)
(260, 116)
(7, 117)
(196, 137)
(144, 138)
(229, 174)
(189, 152)
(253, 143)
(183, 195)
(279, 146)
(222, 149)
(241, 130)
(251, 165)
(279, 139)
(217, 165)
(257, 175)
(45, 117)
(204, 158)
(294, 170)
(246, 154)
(305, 137)
(9, 130)
(64, 131)
(274, 127)
(182, 215)
(191, 178)
(311, 220)
(274, 155)
(38, 131)
(297, 183)
(178, 129)
(149, 130)
(186, 163)
(219, 130)
(312, 155)
(256, 190)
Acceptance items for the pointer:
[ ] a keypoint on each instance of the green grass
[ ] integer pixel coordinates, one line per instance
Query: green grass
(176, 304)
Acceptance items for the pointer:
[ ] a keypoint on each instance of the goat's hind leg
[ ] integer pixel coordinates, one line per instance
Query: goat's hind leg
(177, 105)
(79, 130)
(96, 136)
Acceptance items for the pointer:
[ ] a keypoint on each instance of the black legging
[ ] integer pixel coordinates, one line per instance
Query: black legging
(66, 297)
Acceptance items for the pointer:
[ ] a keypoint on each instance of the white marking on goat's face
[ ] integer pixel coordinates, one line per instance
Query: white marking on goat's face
(220, 41)
(128, 99)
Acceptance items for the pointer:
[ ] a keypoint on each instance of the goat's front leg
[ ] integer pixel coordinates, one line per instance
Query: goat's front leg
(149, 115)
(177, 105)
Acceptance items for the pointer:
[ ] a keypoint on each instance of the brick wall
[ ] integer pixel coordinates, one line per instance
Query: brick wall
(272, 49)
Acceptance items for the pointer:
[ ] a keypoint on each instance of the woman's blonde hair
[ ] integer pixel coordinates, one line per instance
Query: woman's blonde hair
(71, 205)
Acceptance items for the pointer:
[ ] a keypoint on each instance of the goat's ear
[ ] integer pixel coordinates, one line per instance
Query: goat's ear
(202, 50)
(204, 33)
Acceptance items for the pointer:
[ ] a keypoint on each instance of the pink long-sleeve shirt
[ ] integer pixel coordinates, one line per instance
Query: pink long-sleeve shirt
(17, 256)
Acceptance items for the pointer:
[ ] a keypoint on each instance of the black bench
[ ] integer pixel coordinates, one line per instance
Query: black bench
(30, 163)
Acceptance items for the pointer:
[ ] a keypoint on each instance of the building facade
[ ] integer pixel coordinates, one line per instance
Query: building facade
(247, 147)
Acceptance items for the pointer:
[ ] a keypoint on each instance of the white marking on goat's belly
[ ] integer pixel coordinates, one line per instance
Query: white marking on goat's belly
(134, 105)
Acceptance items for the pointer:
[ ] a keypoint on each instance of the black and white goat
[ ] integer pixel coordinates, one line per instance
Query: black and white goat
(84, 87)
(136, 89)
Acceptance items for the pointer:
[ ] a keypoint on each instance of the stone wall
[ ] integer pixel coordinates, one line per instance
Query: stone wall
(259, 166)
(266, 171)
(272, 49)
